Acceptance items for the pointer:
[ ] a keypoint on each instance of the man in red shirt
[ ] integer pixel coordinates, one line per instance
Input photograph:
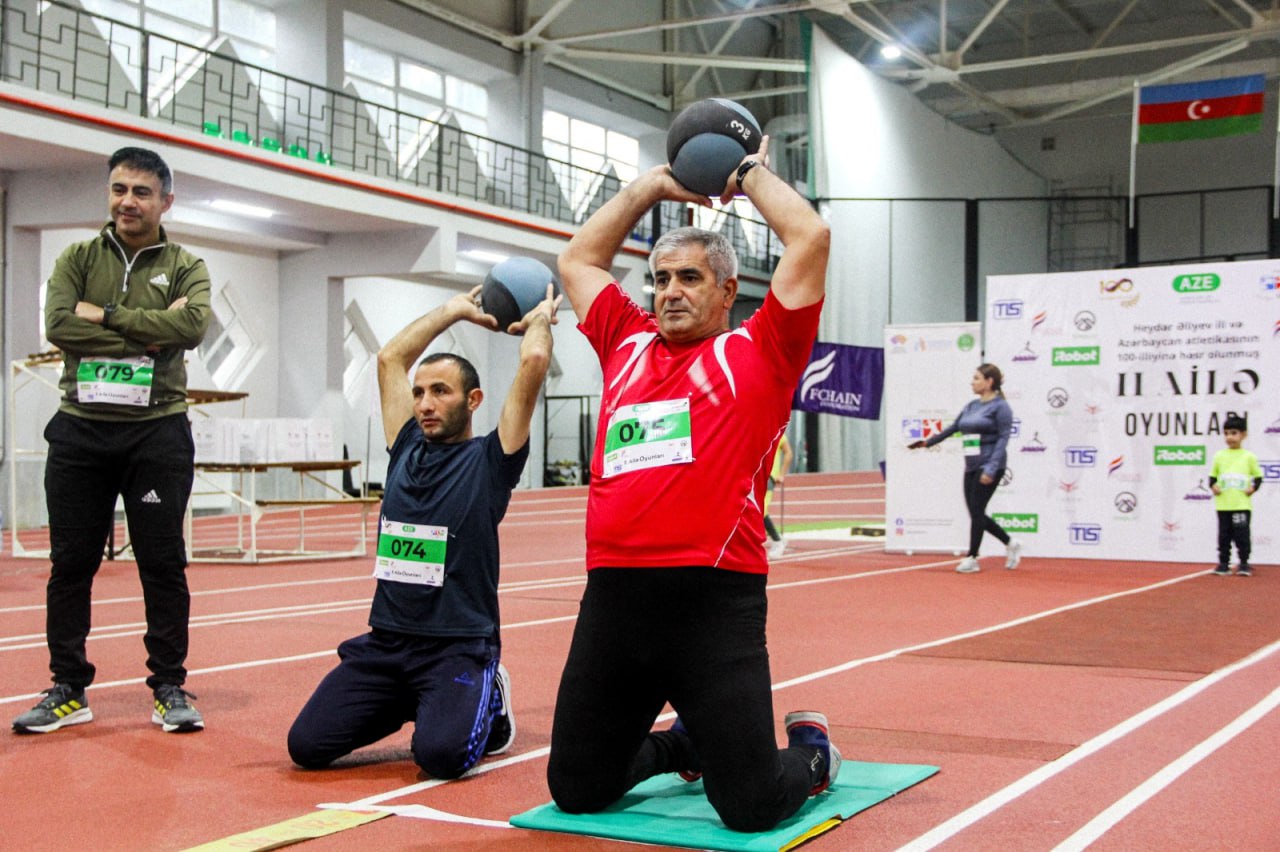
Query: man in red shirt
(674, 608)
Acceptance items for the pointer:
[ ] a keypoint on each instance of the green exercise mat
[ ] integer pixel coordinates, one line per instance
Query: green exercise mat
(666, 810)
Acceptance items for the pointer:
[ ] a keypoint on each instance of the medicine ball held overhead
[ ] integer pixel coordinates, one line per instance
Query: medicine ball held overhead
(707, 141)
(513, 288)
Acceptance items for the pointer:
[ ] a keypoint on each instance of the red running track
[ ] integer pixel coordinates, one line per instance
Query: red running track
(1069, 704)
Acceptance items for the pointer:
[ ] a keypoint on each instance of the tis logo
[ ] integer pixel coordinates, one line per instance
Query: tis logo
(1126, 502)
(1080, 456)
(1088, 534)
(1006, 309)
(1270, 470)
(1015, 429)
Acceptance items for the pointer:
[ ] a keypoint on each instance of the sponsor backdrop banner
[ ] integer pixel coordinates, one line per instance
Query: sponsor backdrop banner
(844, 380)
(927, 372)
(1119, 383)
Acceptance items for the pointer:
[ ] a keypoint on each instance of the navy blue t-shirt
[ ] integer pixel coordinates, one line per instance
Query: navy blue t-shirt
(464, 487)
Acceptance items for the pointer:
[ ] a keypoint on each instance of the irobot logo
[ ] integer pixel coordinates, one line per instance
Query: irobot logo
(1015, 522)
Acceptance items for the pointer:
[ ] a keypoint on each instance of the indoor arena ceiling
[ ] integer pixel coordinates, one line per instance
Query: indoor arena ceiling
(985, 64)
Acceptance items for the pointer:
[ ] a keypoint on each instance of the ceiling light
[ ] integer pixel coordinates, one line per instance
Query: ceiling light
(890, 52)
(486, 256)
(241, 209)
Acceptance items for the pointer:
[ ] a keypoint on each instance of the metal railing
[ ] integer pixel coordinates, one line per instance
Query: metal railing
(55, 48)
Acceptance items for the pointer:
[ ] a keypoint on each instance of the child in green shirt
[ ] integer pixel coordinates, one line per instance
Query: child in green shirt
(1235, 476)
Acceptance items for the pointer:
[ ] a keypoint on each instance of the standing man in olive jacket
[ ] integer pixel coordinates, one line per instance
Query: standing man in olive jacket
(123, 307)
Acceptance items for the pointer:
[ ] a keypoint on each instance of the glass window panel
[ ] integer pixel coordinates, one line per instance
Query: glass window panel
(466, 96)
(421, 81)
(360, 60)
(555, 150)
(125, 12)
(623, 148)
(555, 126)
(253, 54)
(195, 12)
(248, 21)
(374, 93)
(177, 30)
(587, 136)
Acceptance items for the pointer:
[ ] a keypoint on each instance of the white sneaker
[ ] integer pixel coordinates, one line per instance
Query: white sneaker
(968, 565)
(1012, 554)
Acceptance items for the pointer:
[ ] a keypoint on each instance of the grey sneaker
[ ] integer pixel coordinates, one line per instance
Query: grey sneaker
(502, 728)
(174, 712)
(62, 705)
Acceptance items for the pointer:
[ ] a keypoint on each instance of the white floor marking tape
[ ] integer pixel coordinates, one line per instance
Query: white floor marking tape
(958, 823)
(1104, 821)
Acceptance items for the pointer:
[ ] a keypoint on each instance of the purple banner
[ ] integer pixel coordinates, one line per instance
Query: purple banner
(840, 379)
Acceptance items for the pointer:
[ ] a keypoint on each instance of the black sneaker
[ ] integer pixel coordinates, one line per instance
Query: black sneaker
(62, 705)
(808, 729)
(1222, 570)
(502, 727)
(1243, 570)
(174, 712)
(691, 774)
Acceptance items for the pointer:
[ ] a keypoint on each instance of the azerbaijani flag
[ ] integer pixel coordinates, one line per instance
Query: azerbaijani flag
(1200, 110)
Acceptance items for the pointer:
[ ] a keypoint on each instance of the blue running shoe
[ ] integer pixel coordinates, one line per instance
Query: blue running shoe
(808, 729)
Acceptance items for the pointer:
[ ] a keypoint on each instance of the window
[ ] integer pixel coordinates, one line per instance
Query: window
(415, 89)
(593, 149)
(248, 26)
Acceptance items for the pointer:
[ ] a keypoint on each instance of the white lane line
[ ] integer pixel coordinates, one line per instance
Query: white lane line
(1106, 820)
(963, 820)
(269, 661)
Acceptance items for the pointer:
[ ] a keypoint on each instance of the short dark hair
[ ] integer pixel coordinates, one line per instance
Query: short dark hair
(470, 378)
(1235, 421)
(143, 160)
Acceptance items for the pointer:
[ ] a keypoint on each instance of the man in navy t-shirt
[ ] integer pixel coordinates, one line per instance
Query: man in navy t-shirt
(432, 655)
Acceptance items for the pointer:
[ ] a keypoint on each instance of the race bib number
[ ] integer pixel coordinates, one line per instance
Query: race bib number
(1238, 481)
(648, 434)
(411, 553)
(123, 381)
(973, 446)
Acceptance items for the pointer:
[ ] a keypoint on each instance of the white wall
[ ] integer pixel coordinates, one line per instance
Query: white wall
(899, 261)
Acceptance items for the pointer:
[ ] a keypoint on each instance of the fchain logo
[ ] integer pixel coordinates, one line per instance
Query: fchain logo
(1081, 456)
(1170, 454)
(1017, 522)
(1077, 356)
(1090, 534)
(1270, 470)
(1006, 309)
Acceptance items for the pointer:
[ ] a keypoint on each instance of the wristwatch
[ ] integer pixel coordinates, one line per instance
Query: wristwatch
(107, 310)
(747, 165)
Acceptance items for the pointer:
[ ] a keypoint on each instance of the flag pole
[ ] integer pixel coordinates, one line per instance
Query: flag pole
(1133, 154)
